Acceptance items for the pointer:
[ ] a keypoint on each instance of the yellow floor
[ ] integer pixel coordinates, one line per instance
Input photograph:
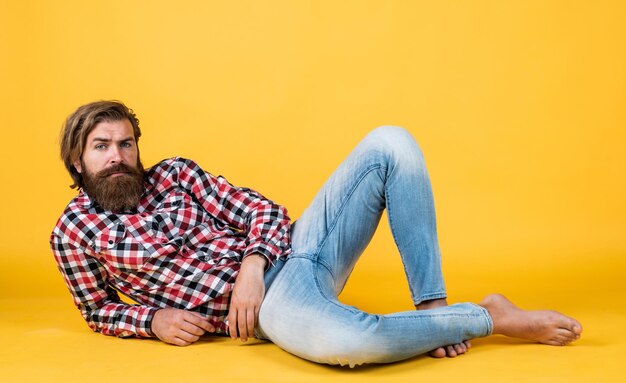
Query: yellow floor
(45, 340)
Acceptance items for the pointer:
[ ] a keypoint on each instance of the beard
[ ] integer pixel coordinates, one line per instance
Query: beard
(115, 193)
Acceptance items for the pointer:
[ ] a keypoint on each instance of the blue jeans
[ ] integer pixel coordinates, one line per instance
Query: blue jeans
(301, 313)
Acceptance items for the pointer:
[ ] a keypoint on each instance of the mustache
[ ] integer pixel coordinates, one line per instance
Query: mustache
(119, 168)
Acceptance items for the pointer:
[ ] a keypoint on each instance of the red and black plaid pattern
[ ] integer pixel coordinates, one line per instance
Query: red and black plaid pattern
(181, 248)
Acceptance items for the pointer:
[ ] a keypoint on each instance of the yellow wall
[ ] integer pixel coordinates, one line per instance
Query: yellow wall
(518, 105)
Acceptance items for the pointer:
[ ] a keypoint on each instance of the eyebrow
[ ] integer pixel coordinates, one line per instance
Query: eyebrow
(100, 139)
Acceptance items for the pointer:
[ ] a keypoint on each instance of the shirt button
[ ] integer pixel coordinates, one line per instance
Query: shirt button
(110, 241)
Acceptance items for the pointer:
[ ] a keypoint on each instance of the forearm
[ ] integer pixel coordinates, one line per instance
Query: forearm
(247, 296)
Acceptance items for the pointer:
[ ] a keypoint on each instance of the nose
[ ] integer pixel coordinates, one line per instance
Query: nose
(116, 155)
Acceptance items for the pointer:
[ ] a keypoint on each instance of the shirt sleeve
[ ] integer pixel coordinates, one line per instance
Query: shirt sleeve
(265, 223)
(97, 301)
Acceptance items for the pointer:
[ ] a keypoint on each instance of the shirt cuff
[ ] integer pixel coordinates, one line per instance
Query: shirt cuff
(144, 322)
(268, 251)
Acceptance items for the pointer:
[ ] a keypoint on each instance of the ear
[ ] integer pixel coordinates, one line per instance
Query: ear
(77, 166)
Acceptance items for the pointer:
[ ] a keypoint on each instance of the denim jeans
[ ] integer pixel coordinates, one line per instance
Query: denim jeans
(301, 312)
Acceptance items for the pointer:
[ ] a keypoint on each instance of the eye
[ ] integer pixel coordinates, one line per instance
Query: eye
(101, 147)
(126, 145)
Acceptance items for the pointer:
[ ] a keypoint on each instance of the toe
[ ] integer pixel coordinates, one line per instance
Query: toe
(566, 335)
(570, 324)
(577, 328)
(459, 349)
(450, 352)
(553, 342)
(438, 353)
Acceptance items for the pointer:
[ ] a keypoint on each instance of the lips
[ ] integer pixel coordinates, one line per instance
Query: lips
(117, 174)
(117, 170)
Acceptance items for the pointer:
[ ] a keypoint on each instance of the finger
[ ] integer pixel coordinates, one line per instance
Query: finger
(186, 336)
(192, 328)
(257, 309)
(243, 324)
(175, 340)
(200, 321)
(232, 322)
(251, 319)
(180, 342)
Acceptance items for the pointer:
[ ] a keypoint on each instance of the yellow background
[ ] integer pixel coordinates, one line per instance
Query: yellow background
(519, 107)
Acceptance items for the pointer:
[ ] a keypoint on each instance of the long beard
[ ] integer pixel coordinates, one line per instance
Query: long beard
(119, 193)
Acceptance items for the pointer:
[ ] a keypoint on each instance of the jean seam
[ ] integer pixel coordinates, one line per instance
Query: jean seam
(409, 277)
(358, 181)
(431, 296)
(395, 239)
(487, 317)
(340, 305)
(442, 315)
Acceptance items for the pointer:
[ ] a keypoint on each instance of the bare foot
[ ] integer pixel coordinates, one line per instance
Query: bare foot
(452, 350)
(543, 326)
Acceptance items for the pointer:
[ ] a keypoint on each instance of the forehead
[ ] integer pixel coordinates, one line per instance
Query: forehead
(111, 130)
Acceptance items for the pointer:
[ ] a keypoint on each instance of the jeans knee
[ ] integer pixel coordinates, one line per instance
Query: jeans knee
(395, 144)
(344, 350)
(350, 343)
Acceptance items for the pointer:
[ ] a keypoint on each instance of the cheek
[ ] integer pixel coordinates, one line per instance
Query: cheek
(131, 157)
(92, 163)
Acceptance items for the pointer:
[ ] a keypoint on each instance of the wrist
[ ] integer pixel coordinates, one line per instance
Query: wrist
(150, 322)
(255, 260)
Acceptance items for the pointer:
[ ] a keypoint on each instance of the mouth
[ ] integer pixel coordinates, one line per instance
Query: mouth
(118, 174)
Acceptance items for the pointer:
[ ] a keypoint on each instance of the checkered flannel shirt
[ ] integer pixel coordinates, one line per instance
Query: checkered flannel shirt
(181, 248)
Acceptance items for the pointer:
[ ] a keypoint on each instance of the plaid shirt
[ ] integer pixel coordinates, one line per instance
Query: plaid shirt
(181, 248)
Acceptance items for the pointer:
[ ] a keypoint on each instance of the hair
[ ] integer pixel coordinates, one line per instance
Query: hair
(80, 123)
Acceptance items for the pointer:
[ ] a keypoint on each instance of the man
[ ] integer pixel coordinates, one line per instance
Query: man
(199, 255)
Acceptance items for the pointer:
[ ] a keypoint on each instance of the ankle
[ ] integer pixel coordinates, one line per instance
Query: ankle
(431, 304)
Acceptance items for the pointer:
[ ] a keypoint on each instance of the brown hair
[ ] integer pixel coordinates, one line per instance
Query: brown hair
(80, 123)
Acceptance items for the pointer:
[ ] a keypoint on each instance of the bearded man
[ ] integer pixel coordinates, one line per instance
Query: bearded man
(200, 255)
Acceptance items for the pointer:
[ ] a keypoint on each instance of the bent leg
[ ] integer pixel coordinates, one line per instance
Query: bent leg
(385, 170)
(301, 312)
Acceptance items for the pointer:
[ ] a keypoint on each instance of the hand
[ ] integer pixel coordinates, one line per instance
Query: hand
(246, 298)
(180, 327)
